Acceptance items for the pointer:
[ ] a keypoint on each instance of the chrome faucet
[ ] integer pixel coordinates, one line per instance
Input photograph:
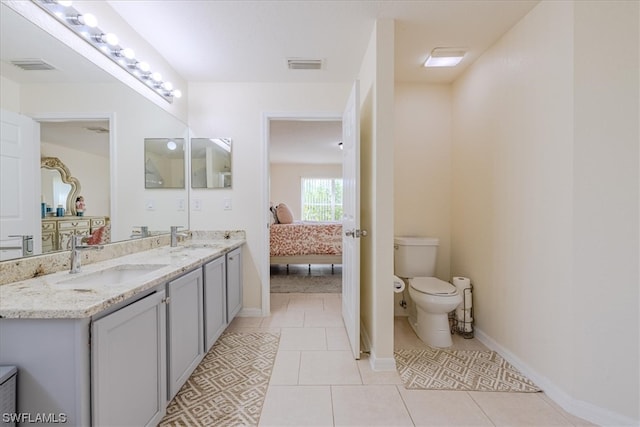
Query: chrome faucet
(76, 248)
(175, 235)
(144, 232)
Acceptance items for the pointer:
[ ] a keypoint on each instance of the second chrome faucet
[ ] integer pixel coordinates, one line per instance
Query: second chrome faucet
(76, 248)
(175, 235)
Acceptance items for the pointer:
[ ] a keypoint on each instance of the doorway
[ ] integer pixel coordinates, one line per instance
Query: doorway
(300, 146)
(85, 143)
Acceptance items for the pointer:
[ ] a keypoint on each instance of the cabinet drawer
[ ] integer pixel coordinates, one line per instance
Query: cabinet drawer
(48, 226)
(69, 224)
(97, 222)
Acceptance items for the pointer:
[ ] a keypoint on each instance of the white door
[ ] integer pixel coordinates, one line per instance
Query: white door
(351, 219)
(19, 182)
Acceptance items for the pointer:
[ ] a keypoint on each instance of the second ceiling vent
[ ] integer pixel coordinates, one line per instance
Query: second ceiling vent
(32, 64)
(304, 64)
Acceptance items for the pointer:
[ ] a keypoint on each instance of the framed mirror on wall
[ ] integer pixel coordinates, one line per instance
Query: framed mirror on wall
(211, 163)
(164, 163)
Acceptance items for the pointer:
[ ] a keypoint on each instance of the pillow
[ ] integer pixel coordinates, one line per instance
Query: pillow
(284, 214)
(274, 215)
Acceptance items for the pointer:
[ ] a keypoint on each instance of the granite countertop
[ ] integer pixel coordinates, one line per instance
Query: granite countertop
(47, 297)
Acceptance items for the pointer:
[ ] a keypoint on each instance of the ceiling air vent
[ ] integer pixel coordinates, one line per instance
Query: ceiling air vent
(304, 64)
(32, 64)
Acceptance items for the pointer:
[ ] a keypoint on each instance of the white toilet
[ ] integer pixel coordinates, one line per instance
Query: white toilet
(431, 299)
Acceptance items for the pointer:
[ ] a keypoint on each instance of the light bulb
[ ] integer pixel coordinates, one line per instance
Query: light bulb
(167, 86)
(128, 53)
(156, 77)
(111, 39)
(171, 145)
(144, 67)
(90, 20)
(177, 93)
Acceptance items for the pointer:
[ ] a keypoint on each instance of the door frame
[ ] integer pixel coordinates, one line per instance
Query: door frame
(78, 117)
(267, 117)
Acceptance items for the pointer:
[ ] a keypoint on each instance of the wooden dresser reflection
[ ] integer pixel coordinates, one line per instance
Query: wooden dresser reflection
(57, 231)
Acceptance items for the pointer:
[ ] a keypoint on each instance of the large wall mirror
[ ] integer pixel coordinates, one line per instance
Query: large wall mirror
(112, 177)
(211, 163)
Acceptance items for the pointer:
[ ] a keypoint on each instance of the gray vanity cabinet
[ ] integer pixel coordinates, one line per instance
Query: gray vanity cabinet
(128, 358)
(234, 283)
(185, 328)
(215, 300)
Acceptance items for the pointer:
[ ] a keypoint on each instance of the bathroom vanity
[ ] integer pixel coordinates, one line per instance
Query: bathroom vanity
(113, 344)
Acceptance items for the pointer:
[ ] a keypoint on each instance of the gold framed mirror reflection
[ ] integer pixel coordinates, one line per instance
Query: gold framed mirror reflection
(58, 186)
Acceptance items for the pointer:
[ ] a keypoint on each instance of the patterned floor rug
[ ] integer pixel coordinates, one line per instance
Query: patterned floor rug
(469, 370)
(282, 283)
(229, 386)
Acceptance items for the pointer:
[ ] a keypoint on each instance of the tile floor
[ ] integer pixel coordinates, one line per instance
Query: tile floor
(316, 381)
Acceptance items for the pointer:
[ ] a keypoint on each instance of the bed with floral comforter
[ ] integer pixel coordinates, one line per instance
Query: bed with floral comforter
(306, 243)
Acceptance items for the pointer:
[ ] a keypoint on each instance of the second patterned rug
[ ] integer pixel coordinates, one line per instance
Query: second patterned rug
(330, 283)
(229, 386)
(468, 370)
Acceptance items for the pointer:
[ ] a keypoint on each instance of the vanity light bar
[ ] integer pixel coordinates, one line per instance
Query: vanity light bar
(86, 27)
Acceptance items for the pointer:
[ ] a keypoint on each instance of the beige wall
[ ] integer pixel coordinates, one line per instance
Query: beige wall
(422, 164)
(422, 169)
(606, 255)
(238, 110)
(545, 201)
(285, 182)
(376, 284)
(10, 99)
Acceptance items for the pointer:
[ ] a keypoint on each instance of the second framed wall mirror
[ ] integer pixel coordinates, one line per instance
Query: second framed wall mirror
(211, 163)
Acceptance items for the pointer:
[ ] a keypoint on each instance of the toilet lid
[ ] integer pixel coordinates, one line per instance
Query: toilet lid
(432, 286)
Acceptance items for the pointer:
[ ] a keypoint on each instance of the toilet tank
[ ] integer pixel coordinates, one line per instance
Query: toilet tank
(415, 256)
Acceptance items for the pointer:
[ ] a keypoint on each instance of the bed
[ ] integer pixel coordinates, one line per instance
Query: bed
(306, 243)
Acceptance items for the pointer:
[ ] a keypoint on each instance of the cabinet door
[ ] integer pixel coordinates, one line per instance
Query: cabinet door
(185, 328)
(65, 236)
(234, 283)
(128, 358)
(215, 300)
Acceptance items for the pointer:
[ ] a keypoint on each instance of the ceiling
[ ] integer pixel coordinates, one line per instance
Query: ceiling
(88, 136)
(249, 41)
(305, 141)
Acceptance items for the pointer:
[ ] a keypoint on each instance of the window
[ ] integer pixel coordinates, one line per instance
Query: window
(321, 199)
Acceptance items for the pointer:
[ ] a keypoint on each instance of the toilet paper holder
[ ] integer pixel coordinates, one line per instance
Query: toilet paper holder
(464, 326)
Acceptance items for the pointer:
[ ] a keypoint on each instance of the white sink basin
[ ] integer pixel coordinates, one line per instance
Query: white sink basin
(111, 276)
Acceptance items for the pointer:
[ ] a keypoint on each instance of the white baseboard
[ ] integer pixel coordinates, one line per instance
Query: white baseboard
(377, 364)
(579, 408)
(250, 312)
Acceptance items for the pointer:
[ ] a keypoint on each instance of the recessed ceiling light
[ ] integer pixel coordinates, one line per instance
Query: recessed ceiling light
(445, 57)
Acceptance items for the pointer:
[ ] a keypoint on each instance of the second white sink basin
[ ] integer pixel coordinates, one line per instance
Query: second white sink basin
(111, 276)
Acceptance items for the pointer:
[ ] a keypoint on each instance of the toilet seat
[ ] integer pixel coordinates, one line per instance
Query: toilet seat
(432, 286)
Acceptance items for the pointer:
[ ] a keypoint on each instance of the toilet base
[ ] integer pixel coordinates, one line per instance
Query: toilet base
(432, 329)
